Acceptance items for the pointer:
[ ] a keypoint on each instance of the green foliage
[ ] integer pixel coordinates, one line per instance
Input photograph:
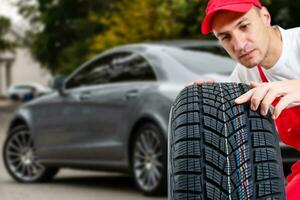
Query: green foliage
(285, 13)
(61, 29)
(66, 33)
(5, 44)
(147, 20)
(139, 21)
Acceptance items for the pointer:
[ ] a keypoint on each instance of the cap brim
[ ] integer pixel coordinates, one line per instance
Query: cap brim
(206, 23)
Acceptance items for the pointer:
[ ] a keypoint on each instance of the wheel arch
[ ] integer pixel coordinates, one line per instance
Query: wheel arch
(159, 122)
(16, 121)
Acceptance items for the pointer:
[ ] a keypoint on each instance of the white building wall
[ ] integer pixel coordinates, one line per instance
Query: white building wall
(2, 79)
(26, 69)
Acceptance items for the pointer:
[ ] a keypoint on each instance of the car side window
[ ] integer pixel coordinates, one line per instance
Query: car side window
(217, 50)
(131, 67)
(97, 72)
(117, 67)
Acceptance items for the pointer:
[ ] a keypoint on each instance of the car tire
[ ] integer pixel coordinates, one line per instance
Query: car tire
(149, 160)
(221, 150)
(20, 158)
(15, 97)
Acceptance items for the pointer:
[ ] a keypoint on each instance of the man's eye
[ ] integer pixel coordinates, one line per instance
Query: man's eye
(225, 38)
(244, 26)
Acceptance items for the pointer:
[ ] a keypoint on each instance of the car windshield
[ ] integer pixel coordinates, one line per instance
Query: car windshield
(201, 62)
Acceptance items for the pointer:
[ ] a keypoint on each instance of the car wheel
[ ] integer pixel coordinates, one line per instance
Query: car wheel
(149, 156)
(221, 150)
(20, 158)
(15, 97)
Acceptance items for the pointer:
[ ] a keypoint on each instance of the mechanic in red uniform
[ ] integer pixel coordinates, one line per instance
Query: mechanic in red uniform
(269, 60)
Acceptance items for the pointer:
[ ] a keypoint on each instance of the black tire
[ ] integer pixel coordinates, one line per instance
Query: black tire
(15, 97)
(20, 158)
(220, 150)
(149, 160)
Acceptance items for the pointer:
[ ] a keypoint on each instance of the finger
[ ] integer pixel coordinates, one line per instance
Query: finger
(199, 82)
(258, 96)
(282, 104)
(254, 84)
(267, 101)
(245, 97)
(210, 81)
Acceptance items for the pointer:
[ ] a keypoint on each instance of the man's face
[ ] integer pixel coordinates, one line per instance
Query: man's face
(244, 35)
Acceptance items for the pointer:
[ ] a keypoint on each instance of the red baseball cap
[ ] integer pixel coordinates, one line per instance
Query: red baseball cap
(214, 6)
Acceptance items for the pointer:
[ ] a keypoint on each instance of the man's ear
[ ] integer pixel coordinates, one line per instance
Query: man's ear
(265, 16)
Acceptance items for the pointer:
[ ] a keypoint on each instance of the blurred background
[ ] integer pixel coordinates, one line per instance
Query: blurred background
(39, 39)
(43, 39)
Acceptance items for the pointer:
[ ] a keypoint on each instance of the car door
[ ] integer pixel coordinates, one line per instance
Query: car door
(63, 123)
(88, 121)
(108, 107)
(130, 76)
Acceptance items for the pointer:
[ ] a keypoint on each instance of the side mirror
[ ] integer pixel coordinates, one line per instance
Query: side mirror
(58, 83)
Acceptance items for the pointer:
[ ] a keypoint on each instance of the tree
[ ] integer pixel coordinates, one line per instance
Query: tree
(147, 20)
(65, 33)
(61, 30)
(5, 44)
(285, 13)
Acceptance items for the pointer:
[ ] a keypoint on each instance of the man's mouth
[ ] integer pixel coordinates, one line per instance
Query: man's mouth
(247, 54)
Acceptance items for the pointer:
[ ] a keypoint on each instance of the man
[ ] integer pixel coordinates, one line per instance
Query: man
(268, 59)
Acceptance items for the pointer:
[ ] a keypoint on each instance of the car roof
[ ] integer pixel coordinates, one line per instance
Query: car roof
(160, 47)
(183, 44)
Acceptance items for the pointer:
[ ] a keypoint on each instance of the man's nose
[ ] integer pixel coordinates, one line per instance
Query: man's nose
(238, 43)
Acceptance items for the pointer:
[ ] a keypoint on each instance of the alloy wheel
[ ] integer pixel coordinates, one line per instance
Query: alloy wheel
(148, 160)
(21, 159)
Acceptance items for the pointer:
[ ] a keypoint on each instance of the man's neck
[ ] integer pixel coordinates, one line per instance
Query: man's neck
(274, 50)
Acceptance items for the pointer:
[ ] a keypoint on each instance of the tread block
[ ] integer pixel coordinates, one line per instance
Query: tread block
(265, 154)
(266, 171)
(187, 149)
(214, 192)
(263, 139)
(187, 165)
(186, 118)
(188, 183)
(268, 187)
(187, 132)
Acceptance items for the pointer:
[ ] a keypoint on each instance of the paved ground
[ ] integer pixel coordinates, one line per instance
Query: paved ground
(69, 184)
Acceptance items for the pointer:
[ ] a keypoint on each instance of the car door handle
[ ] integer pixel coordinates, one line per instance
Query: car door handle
(131, 94)
(85, 96)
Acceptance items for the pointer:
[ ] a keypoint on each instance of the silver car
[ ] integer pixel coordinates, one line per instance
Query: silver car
(110, 114)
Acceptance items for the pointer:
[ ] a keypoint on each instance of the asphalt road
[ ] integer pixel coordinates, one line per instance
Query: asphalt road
(68, 184)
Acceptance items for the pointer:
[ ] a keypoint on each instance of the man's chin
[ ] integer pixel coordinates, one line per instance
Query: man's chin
(249, 65)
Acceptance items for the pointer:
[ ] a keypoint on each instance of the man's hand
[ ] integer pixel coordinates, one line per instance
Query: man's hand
(200, 82)
(265, 93)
